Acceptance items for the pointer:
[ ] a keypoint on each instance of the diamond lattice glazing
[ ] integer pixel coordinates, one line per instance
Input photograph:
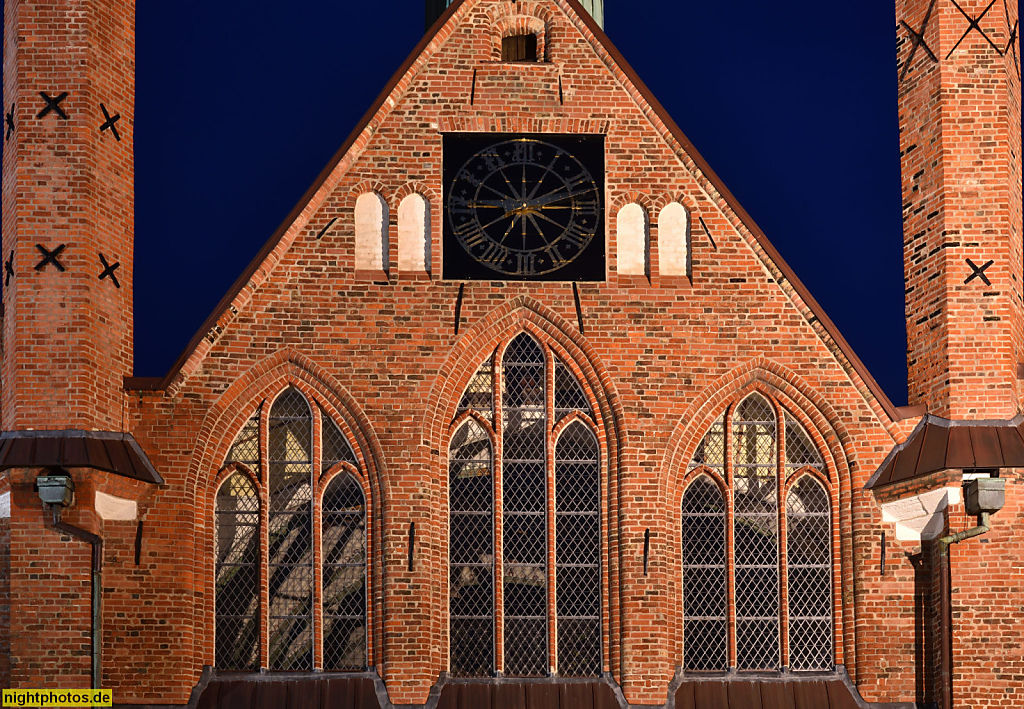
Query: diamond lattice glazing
(578, 552)
(290, 533)
(705, 624)
(246, 448)
(711, 449)
(479, 394)
(343, 541)
(755, 535)
(524, 508)
(800, 451)
(470, 546)
(569, 394)
(336, 448)
(809, 561)
(237, 554)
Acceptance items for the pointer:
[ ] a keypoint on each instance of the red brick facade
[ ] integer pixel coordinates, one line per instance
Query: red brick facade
(659, 360)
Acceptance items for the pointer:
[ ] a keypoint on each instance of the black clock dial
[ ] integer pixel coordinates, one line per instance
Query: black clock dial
(525, 207)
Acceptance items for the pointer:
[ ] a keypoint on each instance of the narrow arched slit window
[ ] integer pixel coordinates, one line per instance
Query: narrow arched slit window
(633, 239)
(809, 559)
(705, 621)
(237, 554)
(414, 234)
(343, 540)
(290, 544)
(371, 222)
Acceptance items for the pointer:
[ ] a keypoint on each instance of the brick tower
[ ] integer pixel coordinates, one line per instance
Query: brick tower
(959, 111)
(68, 212)
(68, 224)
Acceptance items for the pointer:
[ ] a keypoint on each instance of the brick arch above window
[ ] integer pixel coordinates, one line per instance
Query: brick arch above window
(227, 416)
(518, 20)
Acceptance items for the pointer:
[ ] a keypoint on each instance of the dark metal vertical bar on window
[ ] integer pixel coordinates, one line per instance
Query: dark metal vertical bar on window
(138, 543)
(647, 549)
(881, 569)
(412, 543)
(458, 307)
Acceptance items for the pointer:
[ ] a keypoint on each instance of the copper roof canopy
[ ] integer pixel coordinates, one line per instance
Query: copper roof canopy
(110, 451)
(940, 444)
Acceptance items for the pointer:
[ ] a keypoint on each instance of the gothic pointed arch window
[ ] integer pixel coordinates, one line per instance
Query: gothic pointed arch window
(315, 608)
(744, 446)
(548, 616)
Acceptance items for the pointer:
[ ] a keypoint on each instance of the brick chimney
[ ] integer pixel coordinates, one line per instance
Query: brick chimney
(68, 212)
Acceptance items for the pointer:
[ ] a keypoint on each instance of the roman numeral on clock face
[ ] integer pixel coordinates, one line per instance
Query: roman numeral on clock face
(526, 263)
(494, 253)
(525, 152)
(576, 236)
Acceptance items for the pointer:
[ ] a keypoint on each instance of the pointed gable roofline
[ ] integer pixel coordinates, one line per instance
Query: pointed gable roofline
(262, 264)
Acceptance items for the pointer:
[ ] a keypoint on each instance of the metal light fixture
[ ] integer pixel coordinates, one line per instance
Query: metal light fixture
(984, 495)
(57, 488)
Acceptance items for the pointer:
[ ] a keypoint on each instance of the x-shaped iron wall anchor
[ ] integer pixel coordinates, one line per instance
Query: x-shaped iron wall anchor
(109, 123)
(53, 104)
(917, 40)
(50, 257)
(979, 272)
(108, 270)
(10, 123)
(9, 269)
(975, 25)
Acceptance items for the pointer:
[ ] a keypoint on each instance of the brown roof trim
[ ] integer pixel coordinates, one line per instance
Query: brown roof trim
(143, 383)
(674, 129)
(110, 451)
(940, 444)
(272, 242)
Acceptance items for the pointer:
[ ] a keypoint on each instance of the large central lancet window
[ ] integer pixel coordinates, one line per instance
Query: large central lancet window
(297, 490)
(511, 609)
(749, 454)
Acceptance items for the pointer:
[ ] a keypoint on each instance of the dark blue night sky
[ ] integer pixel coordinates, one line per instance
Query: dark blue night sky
(793, 104)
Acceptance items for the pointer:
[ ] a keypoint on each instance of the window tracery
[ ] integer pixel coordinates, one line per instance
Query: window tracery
(751, 462)
(533, 523)
(299, 638)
